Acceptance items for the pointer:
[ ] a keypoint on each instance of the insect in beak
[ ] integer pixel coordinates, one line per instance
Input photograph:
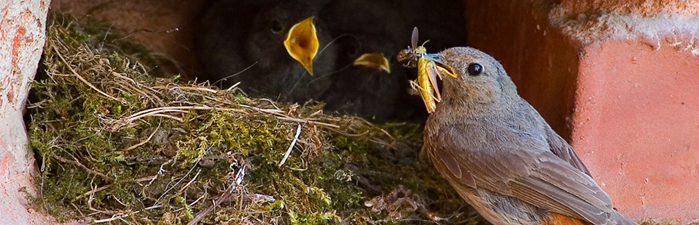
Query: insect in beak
(302, 43)
(373, 60)
(429, 69)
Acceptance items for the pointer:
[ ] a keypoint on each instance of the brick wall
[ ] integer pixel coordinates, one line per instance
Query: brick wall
(22, 35)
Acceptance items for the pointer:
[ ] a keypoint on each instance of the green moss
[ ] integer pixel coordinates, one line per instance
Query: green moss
(313, 218)
(348, 144)
(127, 153)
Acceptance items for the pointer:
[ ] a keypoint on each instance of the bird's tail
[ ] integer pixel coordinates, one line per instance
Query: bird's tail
(558, 219)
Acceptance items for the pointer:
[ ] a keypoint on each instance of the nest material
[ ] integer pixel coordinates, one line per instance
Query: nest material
(116, 144)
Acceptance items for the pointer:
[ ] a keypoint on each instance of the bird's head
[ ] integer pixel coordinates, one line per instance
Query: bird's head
(285, 27)
(369, 52)
(477, 77)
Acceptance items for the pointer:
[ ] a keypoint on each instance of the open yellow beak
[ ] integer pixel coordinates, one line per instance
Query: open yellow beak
(444, 70)
(373, 60)
(302, 43)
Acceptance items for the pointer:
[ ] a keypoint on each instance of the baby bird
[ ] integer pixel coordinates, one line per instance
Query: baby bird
(275, 49)
(368, 82)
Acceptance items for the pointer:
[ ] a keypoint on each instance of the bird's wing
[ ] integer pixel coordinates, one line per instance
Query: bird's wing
(513, 163)
(556, 143)
(564, 151)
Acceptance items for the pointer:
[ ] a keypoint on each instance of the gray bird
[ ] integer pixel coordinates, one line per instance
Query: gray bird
(501, 156)
(275, 49)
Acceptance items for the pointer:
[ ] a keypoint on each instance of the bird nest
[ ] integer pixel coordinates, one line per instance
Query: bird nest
(116, 144)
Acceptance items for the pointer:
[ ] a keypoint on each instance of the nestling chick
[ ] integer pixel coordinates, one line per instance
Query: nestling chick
(368, 82)
(276, 49)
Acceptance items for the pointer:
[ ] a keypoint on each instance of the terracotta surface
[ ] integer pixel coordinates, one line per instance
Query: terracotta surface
(164, 26)
(636, 126)
(22, 36)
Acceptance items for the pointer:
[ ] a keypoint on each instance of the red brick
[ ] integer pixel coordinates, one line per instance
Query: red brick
(636, 126)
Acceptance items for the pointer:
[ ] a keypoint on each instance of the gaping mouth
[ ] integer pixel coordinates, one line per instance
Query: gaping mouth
(302, 43)
(373, 60)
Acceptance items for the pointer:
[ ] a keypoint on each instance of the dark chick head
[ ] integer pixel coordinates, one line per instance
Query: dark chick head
(366, 53)
(369, 82)
(272, 28)
(272, 47)
(365, 83)
(480, 79)
(290, 46)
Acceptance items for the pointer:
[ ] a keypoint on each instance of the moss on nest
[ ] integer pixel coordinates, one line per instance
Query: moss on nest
(116, 144)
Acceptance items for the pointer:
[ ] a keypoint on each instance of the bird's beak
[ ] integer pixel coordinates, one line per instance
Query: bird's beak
(302, 43)
(373, 60)
(445, 70)
(441, 68)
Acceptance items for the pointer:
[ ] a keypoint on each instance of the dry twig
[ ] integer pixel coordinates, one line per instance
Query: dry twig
(293, 143)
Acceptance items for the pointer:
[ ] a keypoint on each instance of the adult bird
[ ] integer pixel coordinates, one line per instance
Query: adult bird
(501, 156)
(368, 82)
(275, 49)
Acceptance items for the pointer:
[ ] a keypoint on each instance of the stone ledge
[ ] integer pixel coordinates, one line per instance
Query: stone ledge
(643, 8)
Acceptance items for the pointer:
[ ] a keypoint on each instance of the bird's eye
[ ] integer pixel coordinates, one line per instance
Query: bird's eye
(276, 27)
(475, 69)
(352, 49)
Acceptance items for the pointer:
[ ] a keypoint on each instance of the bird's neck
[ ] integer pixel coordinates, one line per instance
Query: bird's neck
(461, 108)
(471, 103)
